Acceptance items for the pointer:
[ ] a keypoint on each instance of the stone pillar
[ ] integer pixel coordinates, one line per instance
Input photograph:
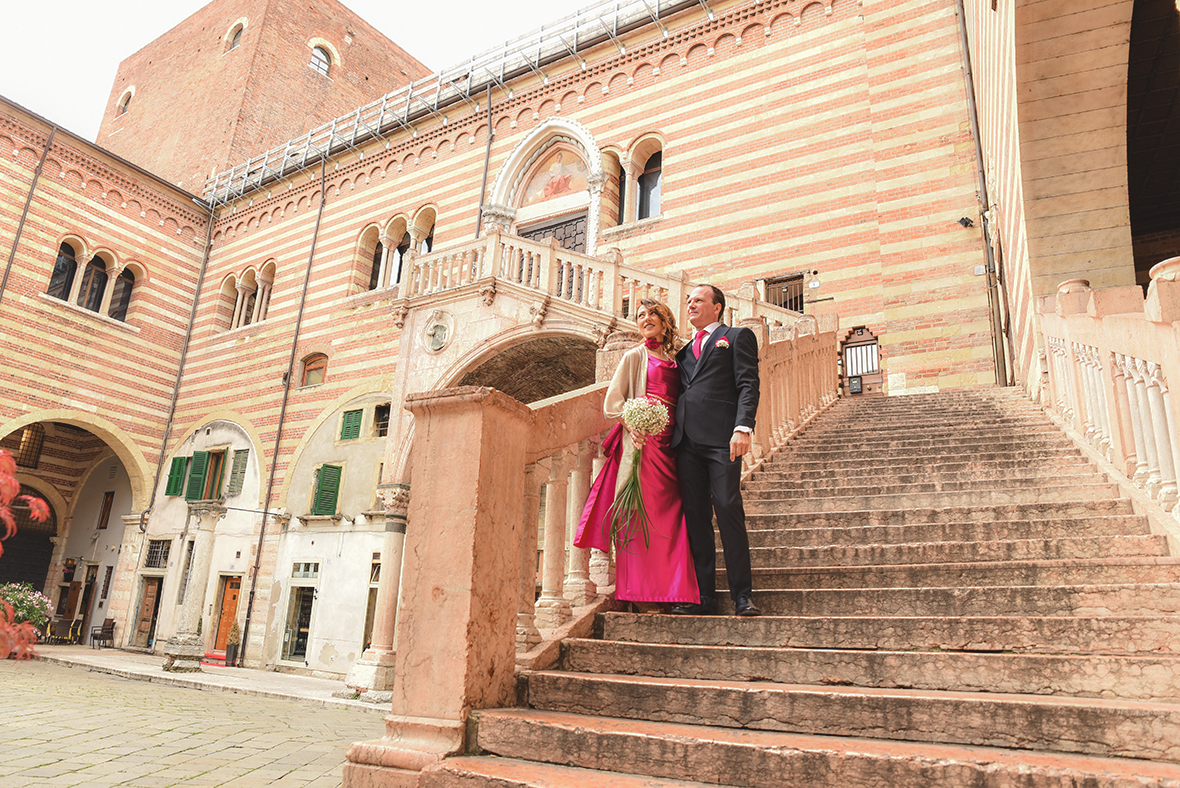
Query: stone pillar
(109, 291)
(579, 588)
(460, 581)
(552, 608)
(383, 270)
(184, 650)
(527, 634)
(375, 669)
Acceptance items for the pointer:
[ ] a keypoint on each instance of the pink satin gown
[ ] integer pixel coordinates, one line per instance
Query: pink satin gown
(663, 572)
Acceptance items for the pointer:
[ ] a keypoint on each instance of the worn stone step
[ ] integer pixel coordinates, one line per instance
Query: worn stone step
(1047, 469)
(1105, 571)
(885, 485)
(1117, 599)
(485, 772)
(864, 516)
(933, 444)
(1089, 726)
(1025, 634)
(992, 496)
(998, 531)
(983, 457)
(1154, 677)
(1013, 446)
(773, 759)
(852, 554)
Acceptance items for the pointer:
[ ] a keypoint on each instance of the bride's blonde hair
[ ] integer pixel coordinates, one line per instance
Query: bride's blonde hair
(668, 340)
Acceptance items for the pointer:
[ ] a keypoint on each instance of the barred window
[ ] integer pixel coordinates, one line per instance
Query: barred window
(157, 554)
(31, 440)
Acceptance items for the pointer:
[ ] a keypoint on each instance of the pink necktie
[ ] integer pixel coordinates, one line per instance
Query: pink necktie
(696, 343)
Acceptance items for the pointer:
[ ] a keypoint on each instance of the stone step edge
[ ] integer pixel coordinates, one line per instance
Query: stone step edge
(911, 547)
(869, 513)
(1031, 522)
(1042, 563)
(983, 759)
(473, 771)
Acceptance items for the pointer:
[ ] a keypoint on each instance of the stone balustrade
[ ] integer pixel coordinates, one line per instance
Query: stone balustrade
(470, 561)
(1109, 354)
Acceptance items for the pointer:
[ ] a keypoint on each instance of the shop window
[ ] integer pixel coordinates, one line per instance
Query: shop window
(157, 554)
(62, 280)
(321, 61)
(32, 438)
(315, 367)
(121, 294)
(649, 187)
(327, 490)
(350, 425)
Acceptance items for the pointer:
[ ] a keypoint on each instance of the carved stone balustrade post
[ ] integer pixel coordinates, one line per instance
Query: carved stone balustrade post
(1139, 475)
(374, 670)
(1163, 438)
(1151, 484)
(1126, 459)
(184, 650)
(552, 608)
(527, 634)
(579, 588)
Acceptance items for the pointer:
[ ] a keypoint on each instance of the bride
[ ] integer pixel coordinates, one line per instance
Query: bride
(662, 572)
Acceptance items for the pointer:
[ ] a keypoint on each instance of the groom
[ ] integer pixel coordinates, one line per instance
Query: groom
(714, 419)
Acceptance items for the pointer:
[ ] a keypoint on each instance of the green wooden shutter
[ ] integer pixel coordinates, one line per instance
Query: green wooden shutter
(237, 475)
(327, 489)
(196, 476)
(350, 428)
(176, 476)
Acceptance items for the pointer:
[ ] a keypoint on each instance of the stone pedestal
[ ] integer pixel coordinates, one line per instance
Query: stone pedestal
(184, 650)
(456, 624)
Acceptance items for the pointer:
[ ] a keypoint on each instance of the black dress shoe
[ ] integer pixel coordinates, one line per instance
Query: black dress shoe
(707, 607)
(745, 607)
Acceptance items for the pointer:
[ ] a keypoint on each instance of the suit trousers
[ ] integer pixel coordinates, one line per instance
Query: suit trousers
(710, 483)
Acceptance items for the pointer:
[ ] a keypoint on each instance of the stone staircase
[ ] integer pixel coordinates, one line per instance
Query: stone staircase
(954, 597)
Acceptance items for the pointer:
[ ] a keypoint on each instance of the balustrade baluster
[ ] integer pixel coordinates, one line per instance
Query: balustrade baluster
(1163, 437)
(579, 589)
(1151, 483)
(1139, 476)
(527, 634)
(552, 608)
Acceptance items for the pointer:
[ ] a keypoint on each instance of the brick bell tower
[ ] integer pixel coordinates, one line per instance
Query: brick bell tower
(241, 76)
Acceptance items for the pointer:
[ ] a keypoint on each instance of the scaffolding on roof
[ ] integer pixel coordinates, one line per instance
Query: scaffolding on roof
(462, 83)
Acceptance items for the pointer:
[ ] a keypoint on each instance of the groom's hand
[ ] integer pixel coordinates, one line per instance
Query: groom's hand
(739, 445)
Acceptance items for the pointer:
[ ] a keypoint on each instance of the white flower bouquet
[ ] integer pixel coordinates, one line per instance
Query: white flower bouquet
(645, 416)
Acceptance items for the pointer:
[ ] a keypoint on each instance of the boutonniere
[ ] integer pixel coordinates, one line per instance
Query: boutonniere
(722, 343)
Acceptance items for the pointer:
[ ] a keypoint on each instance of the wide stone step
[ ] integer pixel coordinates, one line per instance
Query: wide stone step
(960, 552)
(992, 496)
(1106, 571)
(931, 443)
(483, 772)
(1125, 599)
(864, 516)
(1089, 726)
(982, 457)
(1025, 634)
(1049, 468)
(773, 759)
(1013, 447)
(885, 485)
(835, 428)
(1154, 677)
(998, 531)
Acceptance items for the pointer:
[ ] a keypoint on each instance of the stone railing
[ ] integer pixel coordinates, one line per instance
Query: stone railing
(1109, 356)
(595, 283)
(468, 587)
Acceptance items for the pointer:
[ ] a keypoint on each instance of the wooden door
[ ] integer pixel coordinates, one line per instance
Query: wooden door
(230, 586)
(72, 600)
(147, 610)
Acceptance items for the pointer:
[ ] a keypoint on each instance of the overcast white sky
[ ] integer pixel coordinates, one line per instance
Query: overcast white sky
(63, 54)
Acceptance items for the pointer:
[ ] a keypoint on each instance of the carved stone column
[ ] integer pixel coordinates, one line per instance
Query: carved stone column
(184, 650)
(579, 588)
(552, 608)
(601, 570)
(374, 670)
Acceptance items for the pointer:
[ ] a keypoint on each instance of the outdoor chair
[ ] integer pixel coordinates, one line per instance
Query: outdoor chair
(104, 634)
(59, 632)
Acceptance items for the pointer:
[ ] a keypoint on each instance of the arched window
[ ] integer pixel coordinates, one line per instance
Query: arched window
(121, 295)
(375, 273)
(63, 273)
(94, 284)
(31, 441)
(321, 61)
(235, 38)
(398, 257)
(315, 368)
(124, 103)
(649, 187)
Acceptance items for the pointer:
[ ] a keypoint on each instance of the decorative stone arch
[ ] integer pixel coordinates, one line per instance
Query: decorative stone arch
(323, 43)
(500, 212)
(120, 443)
(363, 262)
(124, 101)
(642, 149)
(241, 23)
(109, 258)
(423, 225)
(81, 248)
(61, 509)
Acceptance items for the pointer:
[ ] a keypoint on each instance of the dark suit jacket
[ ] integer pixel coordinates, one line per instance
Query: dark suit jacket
(718, 391)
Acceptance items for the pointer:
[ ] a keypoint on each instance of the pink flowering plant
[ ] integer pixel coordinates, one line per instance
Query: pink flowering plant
(628, 513)
(28, 604)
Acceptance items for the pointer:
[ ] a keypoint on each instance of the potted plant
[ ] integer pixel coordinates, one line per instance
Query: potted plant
(232, 643)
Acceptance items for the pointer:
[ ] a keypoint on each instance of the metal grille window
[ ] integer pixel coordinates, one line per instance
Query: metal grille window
(861, 359)
(157, 554)
(31, 440)
(786, 291)
(106, 582)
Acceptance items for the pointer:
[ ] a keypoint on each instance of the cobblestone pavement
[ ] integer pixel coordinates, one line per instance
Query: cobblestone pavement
(62, 726)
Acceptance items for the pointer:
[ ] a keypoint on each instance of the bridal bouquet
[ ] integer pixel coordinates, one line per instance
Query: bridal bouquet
(646, 417)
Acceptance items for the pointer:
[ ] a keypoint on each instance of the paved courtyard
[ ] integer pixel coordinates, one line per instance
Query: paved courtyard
(63, 726)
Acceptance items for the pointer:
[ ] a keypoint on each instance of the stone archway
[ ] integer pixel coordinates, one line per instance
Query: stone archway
(537, 369)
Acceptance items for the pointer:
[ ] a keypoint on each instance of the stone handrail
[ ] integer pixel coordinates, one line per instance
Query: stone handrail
(1109, 356)
(592, 282)
(468, 588)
